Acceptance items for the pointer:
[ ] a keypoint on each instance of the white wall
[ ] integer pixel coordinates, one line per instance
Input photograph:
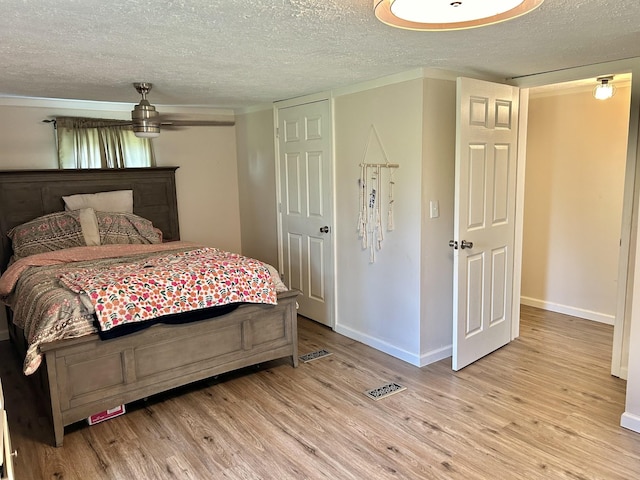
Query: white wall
(576, 154)
(379, 303)
(257, 185)
(206, 181)
(438, 184)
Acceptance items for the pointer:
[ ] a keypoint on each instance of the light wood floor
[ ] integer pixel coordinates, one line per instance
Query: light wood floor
(544, 406)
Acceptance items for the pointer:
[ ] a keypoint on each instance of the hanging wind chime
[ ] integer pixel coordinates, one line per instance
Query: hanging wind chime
(370, 229)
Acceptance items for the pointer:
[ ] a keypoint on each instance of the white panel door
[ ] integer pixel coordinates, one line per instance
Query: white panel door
(484, 224)
(304, 140)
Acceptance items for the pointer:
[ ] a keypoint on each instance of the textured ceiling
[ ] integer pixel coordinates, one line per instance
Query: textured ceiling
(238, 53)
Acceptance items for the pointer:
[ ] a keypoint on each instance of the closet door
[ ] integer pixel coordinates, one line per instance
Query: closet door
(304, 144)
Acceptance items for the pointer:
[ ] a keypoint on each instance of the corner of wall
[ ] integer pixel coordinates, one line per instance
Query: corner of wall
(438, 186)
(257, 185)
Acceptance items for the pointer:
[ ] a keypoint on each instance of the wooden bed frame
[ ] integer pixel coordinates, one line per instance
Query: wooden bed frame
(87, 375)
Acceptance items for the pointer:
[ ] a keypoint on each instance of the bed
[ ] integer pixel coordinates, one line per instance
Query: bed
(82, 376)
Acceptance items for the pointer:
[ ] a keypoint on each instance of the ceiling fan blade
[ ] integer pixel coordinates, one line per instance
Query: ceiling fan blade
(168, 124)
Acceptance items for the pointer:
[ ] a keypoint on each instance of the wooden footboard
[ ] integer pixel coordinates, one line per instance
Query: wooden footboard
(89, 375)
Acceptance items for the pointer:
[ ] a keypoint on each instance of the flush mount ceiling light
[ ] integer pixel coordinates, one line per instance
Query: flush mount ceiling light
(604, 90)
(448, 14)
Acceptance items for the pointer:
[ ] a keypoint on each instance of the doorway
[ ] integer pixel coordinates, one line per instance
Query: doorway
(574, 196)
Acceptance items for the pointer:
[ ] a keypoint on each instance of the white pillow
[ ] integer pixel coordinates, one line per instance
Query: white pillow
(117, 201)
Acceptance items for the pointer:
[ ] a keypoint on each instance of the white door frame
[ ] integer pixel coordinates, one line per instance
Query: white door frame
(523, 114)
(292, 103)
(629, 237)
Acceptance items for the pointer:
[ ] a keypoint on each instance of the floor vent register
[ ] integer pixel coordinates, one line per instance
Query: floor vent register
(310, 357)
(384, 391)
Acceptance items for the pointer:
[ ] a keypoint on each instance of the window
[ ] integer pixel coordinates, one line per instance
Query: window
(97, 143)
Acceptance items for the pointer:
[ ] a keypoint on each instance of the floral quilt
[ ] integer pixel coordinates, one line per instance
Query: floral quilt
(171, 283)
(47, 311)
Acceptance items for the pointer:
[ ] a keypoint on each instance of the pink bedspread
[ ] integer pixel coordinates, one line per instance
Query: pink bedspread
(173, 283)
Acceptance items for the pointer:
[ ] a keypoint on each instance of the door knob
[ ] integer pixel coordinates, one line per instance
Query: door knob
(324, 229)
(454, 244)
(464, 244)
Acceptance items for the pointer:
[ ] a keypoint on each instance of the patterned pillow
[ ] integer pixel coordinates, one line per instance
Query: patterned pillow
(47, 233)
(125, 228)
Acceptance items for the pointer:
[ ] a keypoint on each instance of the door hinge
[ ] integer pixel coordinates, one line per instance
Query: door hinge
(277, 132)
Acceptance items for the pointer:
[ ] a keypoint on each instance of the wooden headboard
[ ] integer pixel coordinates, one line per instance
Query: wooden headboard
(28, 194)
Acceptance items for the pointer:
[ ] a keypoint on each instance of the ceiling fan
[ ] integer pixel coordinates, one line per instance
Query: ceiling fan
(146, 121)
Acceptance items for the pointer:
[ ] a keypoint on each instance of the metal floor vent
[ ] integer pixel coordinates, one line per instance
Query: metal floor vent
(309, 357)
(384, 391)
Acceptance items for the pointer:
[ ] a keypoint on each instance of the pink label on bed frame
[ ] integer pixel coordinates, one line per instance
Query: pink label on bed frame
(106, 415)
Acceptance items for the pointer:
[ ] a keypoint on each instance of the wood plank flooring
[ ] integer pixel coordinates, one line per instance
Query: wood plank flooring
(544, 406)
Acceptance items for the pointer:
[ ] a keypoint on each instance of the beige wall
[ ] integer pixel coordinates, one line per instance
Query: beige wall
(257, 185)
(206, 183)
(26, 141)
(576, 154)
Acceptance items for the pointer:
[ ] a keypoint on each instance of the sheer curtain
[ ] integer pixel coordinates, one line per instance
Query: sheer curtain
(97, 143)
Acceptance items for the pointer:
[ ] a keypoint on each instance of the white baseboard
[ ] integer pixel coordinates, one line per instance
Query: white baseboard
(436, 355)
(418, 361)
(624, 372)
(630, 421)
(379, 345)
(567, 310)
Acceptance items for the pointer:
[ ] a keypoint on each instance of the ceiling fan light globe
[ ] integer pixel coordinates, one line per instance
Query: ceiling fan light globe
(148, 132)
